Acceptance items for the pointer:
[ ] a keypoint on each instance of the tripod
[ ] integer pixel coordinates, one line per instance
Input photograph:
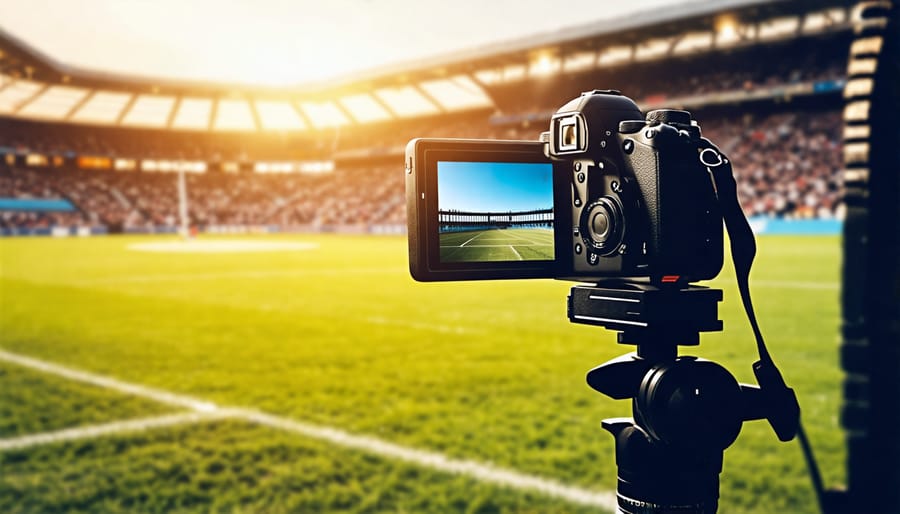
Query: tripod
(686, 410)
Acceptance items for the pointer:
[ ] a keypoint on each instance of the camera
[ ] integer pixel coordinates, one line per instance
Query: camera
(605, 193)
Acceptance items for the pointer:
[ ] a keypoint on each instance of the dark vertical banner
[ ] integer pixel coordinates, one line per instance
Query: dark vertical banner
(870, 300)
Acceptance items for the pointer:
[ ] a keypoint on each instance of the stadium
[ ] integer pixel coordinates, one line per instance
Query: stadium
(205, 304)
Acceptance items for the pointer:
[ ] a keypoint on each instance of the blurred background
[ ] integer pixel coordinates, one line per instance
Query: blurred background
(276, 356)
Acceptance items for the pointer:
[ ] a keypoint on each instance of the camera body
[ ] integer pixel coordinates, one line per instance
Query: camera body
(630, 199)
(640, 202)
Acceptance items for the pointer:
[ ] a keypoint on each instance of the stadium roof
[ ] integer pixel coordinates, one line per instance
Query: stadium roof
(36, 86)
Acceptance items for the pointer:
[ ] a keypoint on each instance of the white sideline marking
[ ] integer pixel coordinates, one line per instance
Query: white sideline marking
(515, 252)
(491, 246)
(115, 427)
(157, 395)
(471, 238)
(206, 410)
(440, 462)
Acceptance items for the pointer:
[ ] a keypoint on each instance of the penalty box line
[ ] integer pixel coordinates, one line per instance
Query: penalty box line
(204, 410)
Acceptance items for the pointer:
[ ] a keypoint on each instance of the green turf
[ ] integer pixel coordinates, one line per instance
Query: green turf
(31, 401)
(509, 244)
(232, 467)
(341, 335)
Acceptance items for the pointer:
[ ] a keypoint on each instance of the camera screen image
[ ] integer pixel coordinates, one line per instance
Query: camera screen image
(495, 211)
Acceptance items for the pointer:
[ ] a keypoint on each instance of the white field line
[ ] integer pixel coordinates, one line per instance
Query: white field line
(204, 410)
(471, 238)
(157, 395)
(515, 252)
(115, 427)
(492, 246)
(440, 462)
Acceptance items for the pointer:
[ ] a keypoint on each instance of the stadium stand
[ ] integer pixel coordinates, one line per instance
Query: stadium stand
(777, 117)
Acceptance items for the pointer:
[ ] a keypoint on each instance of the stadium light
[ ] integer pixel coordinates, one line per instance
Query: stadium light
(579, 61)
(652, 49)
(513, 72)
(778, 27)
(614, 55)
(693, 42)
(726, 30)
(125, 165)
(544, 65)
(489, 76)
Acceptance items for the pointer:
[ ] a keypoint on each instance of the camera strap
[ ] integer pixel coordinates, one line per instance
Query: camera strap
(783, 410)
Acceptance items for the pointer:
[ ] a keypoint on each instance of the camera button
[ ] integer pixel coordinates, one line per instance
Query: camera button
(578, 248)
(593, 258)
(580, 177)
(578, 202)
(650, 134)
(628, 146)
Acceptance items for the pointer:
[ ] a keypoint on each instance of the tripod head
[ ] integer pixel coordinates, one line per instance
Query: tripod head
(686, 410)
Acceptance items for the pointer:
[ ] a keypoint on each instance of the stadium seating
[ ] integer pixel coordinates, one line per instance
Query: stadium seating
(786, 154)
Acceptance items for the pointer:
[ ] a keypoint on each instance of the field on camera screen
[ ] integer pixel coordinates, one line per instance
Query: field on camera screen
(498, 244)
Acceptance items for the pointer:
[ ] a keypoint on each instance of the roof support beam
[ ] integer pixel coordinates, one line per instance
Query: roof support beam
(43, 87)
(213, 112)
(296, 106)
(125, 109)
(257, 120)
(434, 101)
(175, 108)
(78, 105)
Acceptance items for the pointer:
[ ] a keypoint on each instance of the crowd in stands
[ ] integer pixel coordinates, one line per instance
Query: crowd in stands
(150, 201)
(787, 159)
(788, 166)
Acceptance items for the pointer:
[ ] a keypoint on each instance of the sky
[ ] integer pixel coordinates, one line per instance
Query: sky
(494, 186)
(282, 42)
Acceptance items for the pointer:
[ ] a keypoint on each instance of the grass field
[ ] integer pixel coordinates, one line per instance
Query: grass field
(338, 336)
(509, 244)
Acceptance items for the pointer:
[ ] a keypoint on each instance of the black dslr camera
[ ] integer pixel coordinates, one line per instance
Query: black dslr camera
(635, 205)
(604, 193)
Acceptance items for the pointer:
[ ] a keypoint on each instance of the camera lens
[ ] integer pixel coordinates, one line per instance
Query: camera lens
(603, 225)
(600, 225)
